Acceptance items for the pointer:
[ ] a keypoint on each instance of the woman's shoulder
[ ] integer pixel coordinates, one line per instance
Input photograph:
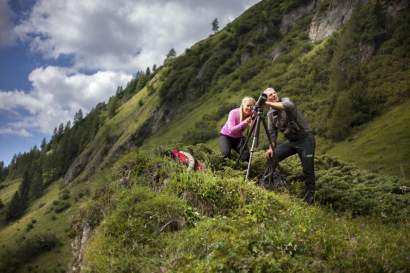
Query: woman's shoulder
(236, 110)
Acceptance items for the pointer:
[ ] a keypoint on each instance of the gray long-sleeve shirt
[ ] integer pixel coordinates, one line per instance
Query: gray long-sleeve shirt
(289, 121)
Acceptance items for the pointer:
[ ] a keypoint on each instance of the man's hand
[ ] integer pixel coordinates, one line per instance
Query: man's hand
(269, 153)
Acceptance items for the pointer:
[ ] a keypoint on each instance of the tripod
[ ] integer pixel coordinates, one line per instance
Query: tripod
(254, 134)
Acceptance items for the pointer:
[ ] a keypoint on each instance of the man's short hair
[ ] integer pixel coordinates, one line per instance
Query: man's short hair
(269, 89)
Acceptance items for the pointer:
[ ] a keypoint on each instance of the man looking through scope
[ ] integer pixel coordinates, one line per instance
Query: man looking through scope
(284, 117)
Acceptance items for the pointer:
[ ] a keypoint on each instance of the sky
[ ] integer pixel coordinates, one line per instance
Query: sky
(57, 57)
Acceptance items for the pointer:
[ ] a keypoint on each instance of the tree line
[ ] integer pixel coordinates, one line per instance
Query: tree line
(42, 165)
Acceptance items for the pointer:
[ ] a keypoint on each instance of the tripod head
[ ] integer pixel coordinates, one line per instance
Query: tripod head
(261, 100)
(258, 107)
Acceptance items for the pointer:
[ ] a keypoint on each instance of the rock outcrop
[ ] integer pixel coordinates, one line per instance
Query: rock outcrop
(325, 23)
(289, 19)
(78, 248)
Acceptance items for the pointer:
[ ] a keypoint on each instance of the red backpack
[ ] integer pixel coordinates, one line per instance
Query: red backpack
(188, 160)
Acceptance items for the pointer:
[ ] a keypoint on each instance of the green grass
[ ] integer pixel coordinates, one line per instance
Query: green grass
(382, 145)
(47, 221)
(184, 122)
(229, 225)
(9, 189)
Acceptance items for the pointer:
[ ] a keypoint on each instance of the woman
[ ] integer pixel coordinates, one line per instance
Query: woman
(231, 135)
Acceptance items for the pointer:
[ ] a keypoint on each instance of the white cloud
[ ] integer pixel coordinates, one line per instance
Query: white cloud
(14, 131)
(57, 94)
(7, 36)
(124, 34)
(115, 38)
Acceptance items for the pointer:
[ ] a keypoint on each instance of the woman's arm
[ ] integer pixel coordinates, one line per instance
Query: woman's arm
(233, 124)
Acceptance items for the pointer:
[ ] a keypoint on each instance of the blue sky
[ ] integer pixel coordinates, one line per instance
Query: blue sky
(57, 57)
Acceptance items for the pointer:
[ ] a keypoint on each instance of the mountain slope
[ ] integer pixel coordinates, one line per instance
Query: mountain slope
(344, 63)
(382, 146)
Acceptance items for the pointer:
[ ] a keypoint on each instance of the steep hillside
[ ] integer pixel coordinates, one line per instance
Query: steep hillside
(343, 64)
(215, 221)
(82, 204)
(382, 146)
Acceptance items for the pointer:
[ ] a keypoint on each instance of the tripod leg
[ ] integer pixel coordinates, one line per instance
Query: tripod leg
(255, 141)
(250, 158)
(248, 137)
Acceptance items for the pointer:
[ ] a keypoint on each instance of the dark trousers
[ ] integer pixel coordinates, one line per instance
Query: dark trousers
(305, 148)
(227, 143)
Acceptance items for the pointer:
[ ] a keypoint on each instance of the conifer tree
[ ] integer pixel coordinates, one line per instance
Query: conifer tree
(37, 186)
(119, 91)
(43, 144)
(79, 115)
(15, 208)
(172, 53)
(60, 130)
(215, 25)
(112, 106)
(19, 201)
(1, 171)
(68, 126)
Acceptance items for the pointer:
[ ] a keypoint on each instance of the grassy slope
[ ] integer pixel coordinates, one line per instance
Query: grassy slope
(382, 146)
(131, 115)
(48, 222)
(7, 192)
(238, 227)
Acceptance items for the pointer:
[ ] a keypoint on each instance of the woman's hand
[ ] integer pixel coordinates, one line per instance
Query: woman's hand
(248, 120)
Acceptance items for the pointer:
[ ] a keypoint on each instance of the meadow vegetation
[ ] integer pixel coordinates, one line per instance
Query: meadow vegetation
(215, 221)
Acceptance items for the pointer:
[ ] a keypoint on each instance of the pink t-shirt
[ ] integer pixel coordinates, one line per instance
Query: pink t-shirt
(233, 126)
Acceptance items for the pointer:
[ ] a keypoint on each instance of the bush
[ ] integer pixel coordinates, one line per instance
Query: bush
(64, 194)
(26, 251)
(60, 206)
(144, 217)
(203, 131)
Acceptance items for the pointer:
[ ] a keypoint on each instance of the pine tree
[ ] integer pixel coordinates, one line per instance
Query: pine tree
(172, 53)
(119, 91)
(148, 72)
(60, 130)
(215, 25)
(24, 187)
(19, 201)
(68, 126)
(79, 116)
(112, 106)
(37, 185)
(43, 144)
(15, 208)
(1, 171)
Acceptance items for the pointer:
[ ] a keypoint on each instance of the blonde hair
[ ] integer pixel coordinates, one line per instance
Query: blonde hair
(244, 100)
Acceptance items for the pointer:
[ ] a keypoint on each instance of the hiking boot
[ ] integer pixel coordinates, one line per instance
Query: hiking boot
(309, 197)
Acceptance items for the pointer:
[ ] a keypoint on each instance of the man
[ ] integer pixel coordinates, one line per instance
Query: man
(284, 117)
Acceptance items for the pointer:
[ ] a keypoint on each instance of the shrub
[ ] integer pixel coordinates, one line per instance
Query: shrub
(26, 251)
(60, 206)
(64, 194)
(203, 131)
